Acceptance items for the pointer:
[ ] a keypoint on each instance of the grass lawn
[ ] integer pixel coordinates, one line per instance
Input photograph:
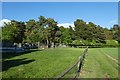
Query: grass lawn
(47, 63)
(113, 52)
(50, 63)
(98, 65)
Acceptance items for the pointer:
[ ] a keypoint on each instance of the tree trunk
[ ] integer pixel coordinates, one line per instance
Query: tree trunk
(54, 44)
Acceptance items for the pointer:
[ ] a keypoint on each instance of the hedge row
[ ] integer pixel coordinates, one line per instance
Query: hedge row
(95, 44)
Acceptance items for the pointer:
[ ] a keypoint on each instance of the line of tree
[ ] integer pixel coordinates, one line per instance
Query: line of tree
(46, 32)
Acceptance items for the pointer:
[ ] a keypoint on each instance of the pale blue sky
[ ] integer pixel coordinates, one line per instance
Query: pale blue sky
(100, 13)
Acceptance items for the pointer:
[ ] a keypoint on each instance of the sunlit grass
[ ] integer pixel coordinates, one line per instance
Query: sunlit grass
(98, 65)
(47, 63)
(50, 63)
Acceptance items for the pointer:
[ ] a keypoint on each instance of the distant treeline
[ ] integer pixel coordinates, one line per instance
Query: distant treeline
(46, 31)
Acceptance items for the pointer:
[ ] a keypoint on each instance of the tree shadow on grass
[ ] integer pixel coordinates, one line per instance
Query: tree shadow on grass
(9, 55)
(12, 63)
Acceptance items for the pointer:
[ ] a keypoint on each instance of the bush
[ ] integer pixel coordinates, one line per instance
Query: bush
(77, 42)
(112, 43)
(94, 43)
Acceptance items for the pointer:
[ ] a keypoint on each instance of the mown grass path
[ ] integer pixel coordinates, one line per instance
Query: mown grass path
(113, 52)
(98, 65)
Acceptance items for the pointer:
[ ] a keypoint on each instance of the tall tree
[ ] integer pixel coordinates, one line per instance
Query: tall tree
(13, 31)
(116, 32)
(52, 29)
(29, 31)
(108, 34)
(41, 27)
(80, 26)
(21, 35)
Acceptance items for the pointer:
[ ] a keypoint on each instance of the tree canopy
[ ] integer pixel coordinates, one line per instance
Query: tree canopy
(46, 31)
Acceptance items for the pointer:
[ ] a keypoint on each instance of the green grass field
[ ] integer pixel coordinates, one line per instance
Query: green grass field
(113, 52)
(41, 64)
(98, 65)
(50, 63)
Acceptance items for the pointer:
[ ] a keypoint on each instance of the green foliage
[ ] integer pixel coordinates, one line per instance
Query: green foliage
(30, 26)
(10, 32)
(116, 32)
(76, 42)
(65, 37)
(46, 31)
(35, 37)
(88, 31)
(0, 33)
(111, 42)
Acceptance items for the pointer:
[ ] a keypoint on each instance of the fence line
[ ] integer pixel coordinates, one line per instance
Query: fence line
(79, 63)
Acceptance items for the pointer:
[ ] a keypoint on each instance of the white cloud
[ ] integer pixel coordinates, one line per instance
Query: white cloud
(66, 25)
(2, 22)
(87, 22)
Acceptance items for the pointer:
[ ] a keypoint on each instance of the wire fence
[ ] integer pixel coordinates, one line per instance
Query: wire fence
(74, 71)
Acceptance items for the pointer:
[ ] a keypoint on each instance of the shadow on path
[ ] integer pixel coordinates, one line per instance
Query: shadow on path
(12, 63)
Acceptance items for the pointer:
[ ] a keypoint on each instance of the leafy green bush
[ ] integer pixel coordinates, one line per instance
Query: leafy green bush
(94, 43)
(111, 43)
(77, 42)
